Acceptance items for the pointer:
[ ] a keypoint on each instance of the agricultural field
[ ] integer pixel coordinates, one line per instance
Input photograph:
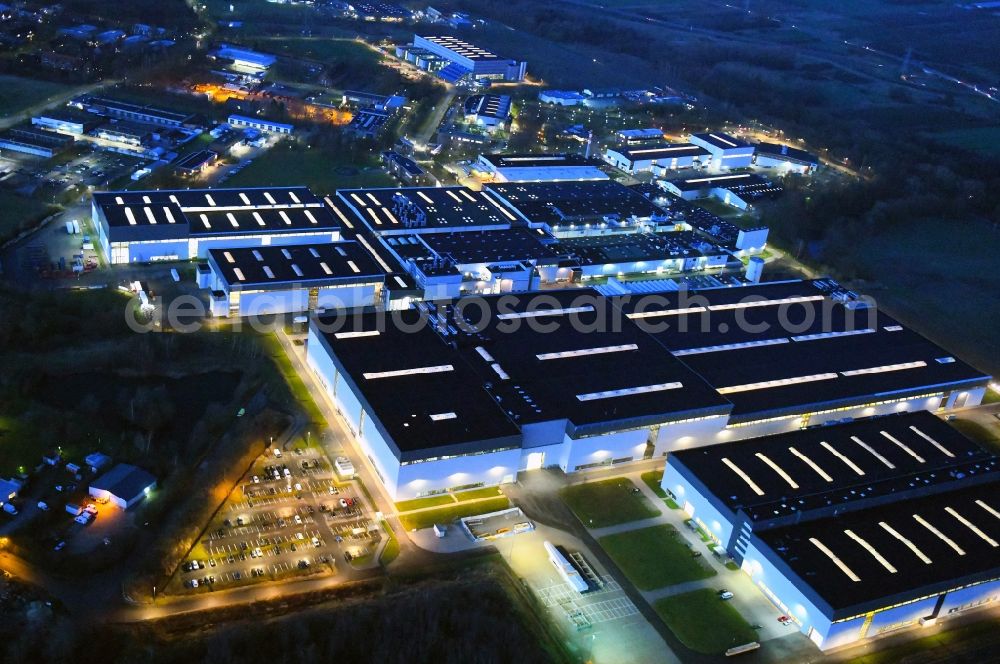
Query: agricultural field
(323, 171)
(23, 93)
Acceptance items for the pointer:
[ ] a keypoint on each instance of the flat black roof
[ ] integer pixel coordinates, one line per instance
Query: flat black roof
(629, 247)
(789, 347)
(660, 152)
(539, 357)
(195, 160)
(537, 160)
(891, 553)
(514, 244)
(127, 107)
(558, 203)
(425, 209)
(721, 140)
(778, 151)
(836, 465)
(272, 265)
(462, 47)
(493, 106)
(726, 180)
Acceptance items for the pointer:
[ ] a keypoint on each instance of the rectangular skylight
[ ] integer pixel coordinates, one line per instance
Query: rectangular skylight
(871, 450)
(485, 354)
(850, 464)
(374, 216)
(310, 217)
(733, 346)
(723, 140)
(910, 545)
(836, 561)
(372, 198)
(830, 335)
(326, 268)
(467, 196)
(210, 200)
(778, 469)
(239, 274)
(941, 536)
(204, 220)
(440, 368)
(359, 334)
(667, 312)
(357, 199)
(390, 216)
(340, 215)
(766, 303)
(354, 268)
(538, 313)
(270, 198)
(944, 450)
(297, 270)
(268, 272)
(872, 550)
(437, 417)
(903, 446)
(743, 476)
(502, 209)
(295, 199)
(229, 257)
(586, 351)
(313, 252)
(245, 199)
(988, 508)
(629, 391)
(427, 199)
(399, 281)
(812, 464)
(168, 213)
(257, 255)
(886, 368)
(232, 220)
(780, 382)
(119, 200)
(284, 217)
(130, 216)
(452, 194)
(971, 526)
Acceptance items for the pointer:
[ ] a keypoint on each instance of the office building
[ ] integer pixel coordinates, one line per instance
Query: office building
(656, 158)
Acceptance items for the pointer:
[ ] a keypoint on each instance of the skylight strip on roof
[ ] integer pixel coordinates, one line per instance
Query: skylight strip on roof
(427, 199)
(168, 213)
(245, 199)
(723, 140)
(831, 335)
(284, 217)
(988, 508)
(295, 199)
(204, 220)
(210, 200)
(339, 214)
(239, 274)
(910, 545)
(310, 217)
(944, 450)
(270, 198)
(453, 195)
(836, 561)
(389, 215)
(973, 527)
(586, 351)
(385, 266)
(715, 178)
(326, 268)
(441, 368)
(232, 219)
(507, 213)
(780, 382)
(871, 450)
(372, 198)
(358, 334)
(670, 149)
(886, 368)
(903, 446)
(941, 536)
(354, 267)
(743, 476)
(357, 199)
(778, 469)
(259, 219)
(735, 346)
(667, 312)
(812, 464)
(629, 391)
(467, 196)
(872, 550)
(438, 417)
(797, 299)
(229, 257)
(130, 216)
(850, 464)
(374, 216)
(538, 313)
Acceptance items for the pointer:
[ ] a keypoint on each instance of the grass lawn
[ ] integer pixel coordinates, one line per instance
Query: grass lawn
(19, 213)
(703, 622)
(608, 502)
(978, 432)
(391, 550)
(289, 163)
(418, 520)
(655, 557)
(21, 93)
(476, 494)
(421, 503)
(652, 479)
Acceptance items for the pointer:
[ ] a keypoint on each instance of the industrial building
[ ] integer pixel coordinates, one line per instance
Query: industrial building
(742, 241)
(260, 124)
(66, 121)
(785, 159)
(196, 163)
(656, 158)
(28, 139)
(467, 60)
(727, 151)
(640, 253)
(853, 530)
(739, 190)
(639, 136)
(294, 278)
(488, 111)
(569, 209)
(539, 167)
(561, 97)
(512, 397)
(122, 110)
(404, 168)
(123, 486)
(437, 403)
(244, 59)
(143, 226)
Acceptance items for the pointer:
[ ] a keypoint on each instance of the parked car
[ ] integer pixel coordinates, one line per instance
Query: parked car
(725, 594)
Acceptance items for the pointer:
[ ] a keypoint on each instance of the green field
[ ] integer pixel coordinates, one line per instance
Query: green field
(22, 93)
(391, 550)
(939, 284)
(19, 213)
(655, 557)
(981, 140)
(608, 502)
(320, 170)
(476, 494)
(347, 51)
(703, 622)
(422, 503)
(445, 515)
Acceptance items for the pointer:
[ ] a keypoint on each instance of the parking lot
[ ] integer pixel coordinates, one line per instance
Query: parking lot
(289, 516)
